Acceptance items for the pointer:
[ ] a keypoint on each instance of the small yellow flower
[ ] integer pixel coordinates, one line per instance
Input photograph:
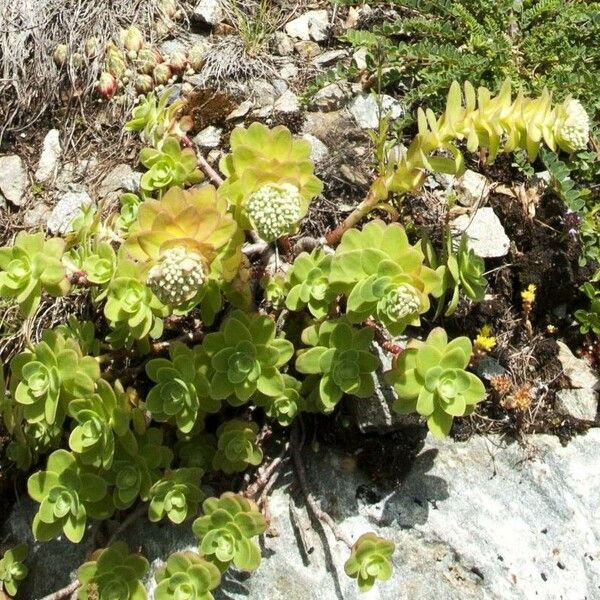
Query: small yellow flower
(485, 341)
(528, 295)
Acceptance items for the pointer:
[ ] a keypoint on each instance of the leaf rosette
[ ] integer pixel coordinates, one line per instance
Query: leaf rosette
(430, 378)
(226, 530)
(237, 447)
(370, 560)
(186, 576)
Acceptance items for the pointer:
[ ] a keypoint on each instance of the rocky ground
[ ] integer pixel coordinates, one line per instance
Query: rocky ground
(508, 509)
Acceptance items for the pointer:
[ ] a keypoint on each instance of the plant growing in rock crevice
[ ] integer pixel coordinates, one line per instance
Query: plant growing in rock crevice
(13, 569)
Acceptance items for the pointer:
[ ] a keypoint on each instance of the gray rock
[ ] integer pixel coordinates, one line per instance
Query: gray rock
(288, 71)
(578, 370)
(170, 47)
(66, 210)
(287, 103)
(375, 414)
(282, 44)
(122, 177)
(241, 111)
(318, 150)
(331, 97)
(13, 179)
(360, 58)
(280, 86)
(365, 110)
(472, 188)
(209, 137)
(51, 151)
(312, 25)
(487, 237)
(581, 404)
(262, 92)
(71, 176)
(37, 216)
(307, 50)
(471, 520)
(328, 57)
(353, 175)
(488, 367)
(209, 11)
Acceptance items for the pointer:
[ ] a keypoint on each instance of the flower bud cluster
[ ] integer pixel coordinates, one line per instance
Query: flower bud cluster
(274, 210)
(177, 277)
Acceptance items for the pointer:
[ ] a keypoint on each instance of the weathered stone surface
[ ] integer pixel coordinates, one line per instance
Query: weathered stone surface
(365, 110)
(51, 151)
(66, 210)
(328, 57)
(209, 137)
(578, 370)
(473, 520)
(307, 49)
(312, 25)
(472, 188)
(209, 11)
(287, 103)
(282, 44)
(13, 179)
(122, 177)
(330, 97)
(318, 150)
(487, 237)
(580, 403)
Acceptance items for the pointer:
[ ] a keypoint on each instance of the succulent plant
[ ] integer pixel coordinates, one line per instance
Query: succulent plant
(91, 47)
(143, 83)
(176, 495)
(370, 560)
(186, 576)
(195, 57)
(135, 469)
(341, 354)
(100, 418)
(132, 39)
(131, 304)
(169, 166)
(100, 266)
(237, 447)
(107, 85)
(113, 574)
(308, 280)
(68, 493)
(45, 378)
(270, 180)
(186, 238)
(159, 118)
(60, 54)
(161, 73)
(12, 569)
(115, 61)
(246, 356)
(147, 59)
(275, 289)
(182, 390)
(430, 378)
(226, 530)
(30, 266)
(178, 62)
(463, 271)
(384, 276)
(283, 408)
(196, 450)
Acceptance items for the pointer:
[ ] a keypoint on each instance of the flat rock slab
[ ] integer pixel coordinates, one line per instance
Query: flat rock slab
(486, 236)
(13, 179)
(471, 520)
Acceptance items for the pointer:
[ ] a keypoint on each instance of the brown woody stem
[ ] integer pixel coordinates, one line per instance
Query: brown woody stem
(64, 592)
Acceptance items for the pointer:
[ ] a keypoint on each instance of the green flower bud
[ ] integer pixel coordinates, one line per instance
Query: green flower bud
(400, 302)
(274, 210)
(161, 73)
(177, 276)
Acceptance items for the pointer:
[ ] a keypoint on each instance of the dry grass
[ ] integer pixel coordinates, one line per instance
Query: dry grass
(30, 30)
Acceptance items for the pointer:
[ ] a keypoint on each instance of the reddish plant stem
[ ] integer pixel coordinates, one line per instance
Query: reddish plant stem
(212, 174)
(266, 473)
(64, 592)
(369, 202)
